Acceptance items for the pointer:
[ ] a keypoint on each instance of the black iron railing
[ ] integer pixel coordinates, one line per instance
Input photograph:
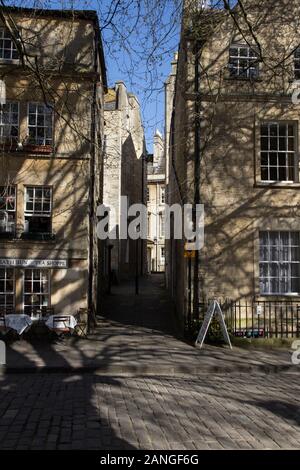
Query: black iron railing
(260, 319)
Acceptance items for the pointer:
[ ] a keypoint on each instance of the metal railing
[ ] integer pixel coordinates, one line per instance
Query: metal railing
(260, 319)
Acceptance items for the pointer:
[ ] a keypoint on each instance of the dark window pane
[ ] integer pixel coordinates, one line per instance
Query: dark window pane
(291, 144)
(264, 158)
(282, 174)
(264, 143)
(282, 130)
(295, 285)
(295, 254)
(274, 286)
(264, 174)
(273, 130)
(273, 159)
(273, 143)
(273, 174)
(295, 238)
(282, 143)
(281, 159)
(291, 176)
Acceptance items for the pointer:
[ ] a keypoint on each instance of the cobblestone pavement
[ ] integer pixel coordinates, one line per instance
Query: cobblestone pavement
(138, 335)
(61, 411)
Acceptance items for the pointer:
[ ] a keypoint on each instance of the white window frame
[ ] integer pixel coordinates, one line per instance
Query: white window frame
(38, 293)
(35, 200)
(267, 153)
(162, 253)
(7, 209)
(4, 126)
(161, 218)
(6, 293)
(5, 36)
(278, 258)
(44, 141)
(237, 71)
(297, 63)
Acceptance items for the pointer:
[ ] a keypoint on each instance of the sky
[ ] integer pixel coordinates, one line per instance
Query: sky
(140, 38)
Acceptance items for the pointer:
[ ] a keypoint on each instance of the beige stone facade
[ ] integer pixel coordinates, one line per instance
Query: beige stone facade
(124, 175)
(156, 184)
(235, 141)
(51, 170)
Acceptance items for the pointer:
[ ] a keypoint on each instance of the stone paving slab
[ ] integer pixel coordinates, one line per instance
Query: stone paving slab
(74, 411)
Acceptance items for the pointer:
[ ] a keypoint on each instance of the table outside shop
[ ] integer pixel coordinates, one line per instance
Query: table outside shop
(18, 322)
(56, 322)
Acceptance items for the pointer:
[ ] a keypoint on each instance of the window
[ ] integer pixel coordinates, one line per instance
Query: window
(7, 289)
(162, 195)
(149, 224)
(148, 194)
(38, 209)
(36, 289)
(161, 225)
(7, 209)
(243, 62)
(297, 64)
(40, 119)
(279, 263)
(9, 122)
(278, 152)
(162, 252)
(8, 49)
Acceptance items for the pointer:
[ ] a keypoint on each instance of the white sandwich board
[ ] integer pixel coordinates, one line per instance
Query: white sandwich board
(214, 308)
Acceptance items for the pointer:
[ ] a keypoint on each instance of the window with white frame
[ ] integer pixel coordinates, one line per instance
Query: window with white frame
(38, 209)
(9, 122)
(40, 124)
(162, 194)
(279, 263)
(161, 224)
(149, 224)
(297, 63)
(162, 253)
(7, 289)
(278, 152)
(8, 50)
(7, 209)
(243, 61)
(36, 290)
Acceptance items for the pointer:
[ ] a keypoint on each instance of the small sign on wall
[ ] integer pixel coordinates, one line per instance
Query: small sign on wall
(259, 309)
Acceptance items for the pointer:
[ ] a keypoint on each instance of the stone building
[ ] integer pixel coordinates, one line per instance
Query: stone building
(234, 147)
(169, 103)
(51, 128)
(156, 178)
(124, 175)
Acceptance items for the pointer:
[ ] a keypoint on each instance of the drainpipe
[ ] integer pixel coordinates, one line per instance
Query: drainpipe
(197, 53)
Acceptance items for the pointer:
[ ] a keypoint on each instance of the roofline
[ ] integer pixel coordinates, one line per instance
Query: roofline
(88, 15)
(80, 14)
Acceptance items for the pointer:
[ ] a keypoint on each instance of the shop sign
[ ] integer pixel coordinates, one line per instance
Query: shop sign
(33, 263)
